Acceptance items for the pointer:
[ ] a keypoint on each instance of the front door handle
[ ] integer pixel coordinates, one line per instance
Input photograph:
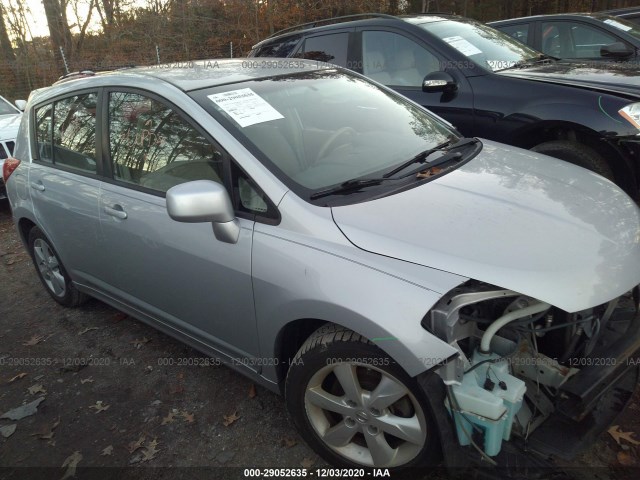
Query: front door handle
(37, 186)
(115, 211)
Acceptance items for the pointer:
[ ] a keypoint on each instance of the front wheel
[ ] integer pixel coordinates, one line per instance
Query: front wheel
(577, 154)
(356, 407)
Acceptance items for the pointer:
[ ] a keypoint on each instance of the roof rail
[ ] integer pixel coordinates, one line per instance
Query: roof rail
(328, 21)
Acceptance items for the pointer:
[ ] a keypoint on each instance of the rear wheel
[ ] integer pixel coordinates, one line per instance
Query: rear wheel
(51, 271)
(577, 154)
(356, 407)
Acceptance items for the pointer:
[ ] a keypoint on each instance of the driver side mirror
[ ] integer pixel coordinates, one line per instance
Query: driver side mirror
(616, 50)
(203, 201)
(21, 104)
(439, 82)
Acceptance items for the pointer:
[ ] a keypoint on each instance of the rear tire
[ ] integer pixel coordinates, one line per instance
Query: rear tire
(51, 271)
(577, 154)
(356, 407)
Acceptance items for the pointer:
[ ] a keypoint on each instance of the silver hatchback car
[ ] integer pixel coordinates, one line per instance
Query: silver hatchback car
(410, 292)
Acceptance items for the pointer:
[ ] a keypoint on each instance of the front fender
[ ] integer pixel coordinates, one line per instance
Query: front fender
(294, 281)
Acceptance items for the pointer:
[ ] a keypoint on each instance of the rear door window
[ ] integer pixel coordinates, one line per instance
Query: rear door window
(66, 132)
(519, 32)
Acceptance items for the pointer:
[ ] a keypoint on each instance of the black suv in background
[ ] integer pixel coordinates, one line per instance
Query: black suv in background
(487, 84)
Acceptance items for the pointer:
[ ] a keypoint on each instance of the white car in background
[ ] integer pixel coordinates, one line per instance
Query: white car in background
(10, 117)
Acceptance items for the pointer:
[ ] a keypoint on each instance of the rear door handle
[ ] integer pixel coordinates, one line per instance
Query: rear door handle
(37, 186)
(116, 211)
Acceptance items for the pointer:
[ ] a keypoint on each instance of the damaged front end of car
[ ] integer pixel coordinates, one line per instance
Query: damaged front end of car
(531, 374)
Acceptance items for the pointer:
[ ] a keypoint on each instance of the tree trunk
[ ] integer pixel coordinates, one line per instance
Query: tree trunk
(5, 44)
(58, 28)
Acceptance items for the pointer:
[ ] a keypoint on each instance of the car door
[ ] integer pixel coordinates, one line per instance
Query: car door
(64, 181)
(176, 273)
(401, 62)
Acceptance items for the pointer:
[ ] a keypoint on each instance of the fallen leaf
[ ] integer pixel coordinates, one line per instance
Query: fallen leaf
(150, 451)
(138, 343)
(47, 433)
(174, 389)
(23, 410)
(37, 388)
(188, 417)
(133, 446)
(71, 463)
(288, 442)
(17, 377)
(429, 172)
(168, 419)
(229, 419)
(7, 430)
(307, 462)
(88, 329)
(99, 407)
(34, 340)
(107, 450)
(626, 459)
(252, 391)
(85, 380)
(618, 435)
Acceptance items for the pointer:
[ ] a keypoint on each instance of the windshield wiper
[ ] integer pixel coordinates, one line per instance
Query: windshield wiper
(422, 156)
(349, 186)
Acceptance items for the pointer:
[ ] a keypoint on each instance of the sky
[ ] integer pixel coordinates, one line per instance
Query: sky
(38, 24)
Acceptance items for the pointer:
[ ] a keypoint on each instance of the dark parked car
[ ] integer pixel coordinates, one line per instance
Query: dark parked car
(487, 84)
(630, 13)
(588, 36)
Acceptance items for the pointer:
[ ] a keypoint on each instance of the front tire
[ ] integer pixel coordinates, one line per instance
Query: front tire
(356, 407)
(51, 271)
(577, 154)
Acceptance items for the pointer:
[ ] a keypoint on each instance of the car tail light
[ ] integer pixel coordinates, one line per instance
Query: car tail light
(10, 164)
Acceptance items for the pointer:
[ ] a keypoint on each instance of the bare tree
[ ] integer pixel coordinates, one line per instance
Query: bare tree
(60, 34)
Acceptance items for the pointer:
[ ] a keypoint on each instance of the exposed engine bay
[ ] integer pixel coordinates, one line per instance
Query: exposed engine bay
(522, 361)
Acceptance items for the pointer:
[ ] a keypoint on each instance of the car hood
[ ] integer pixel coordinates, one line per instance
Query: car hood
(624, 80)
(9, 126)
(515, 219)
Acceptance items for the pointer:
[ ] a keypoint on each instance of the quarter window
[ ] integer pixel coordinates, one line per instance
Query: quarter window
(153, 147)
(44, 125)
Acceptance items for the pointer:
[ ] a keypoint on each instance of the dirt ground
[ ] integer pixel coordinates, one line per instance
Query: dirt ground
(110, 399)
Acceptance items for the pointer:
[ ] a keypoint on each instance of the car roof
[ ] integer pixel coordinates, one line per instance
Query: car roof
(350, 21)
(596, 17)
(188, 75)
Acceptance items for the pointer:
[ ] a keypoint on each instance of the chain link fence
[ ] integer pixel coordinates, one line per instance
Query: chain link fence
(40, 69)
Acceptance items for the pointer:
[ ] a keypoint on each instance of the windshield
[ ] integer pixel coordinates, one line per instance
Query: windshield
(631, 28)
(484, 45)
(322, 128)
(6, 108)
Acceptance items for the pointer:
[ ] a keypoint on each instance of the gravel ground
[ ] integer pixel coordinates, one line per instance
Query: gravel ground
(108, 397)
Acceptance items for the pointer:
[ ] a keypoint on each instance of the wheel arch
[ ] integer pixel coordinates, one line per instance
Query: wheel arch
(24, 227)
(416, 359)
(625, 172)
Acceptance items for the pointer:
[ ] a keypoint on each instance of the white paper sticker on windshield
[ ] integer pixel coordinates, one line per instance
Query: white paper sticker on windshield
(462, 45)
(618, 25)
(245, 106)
